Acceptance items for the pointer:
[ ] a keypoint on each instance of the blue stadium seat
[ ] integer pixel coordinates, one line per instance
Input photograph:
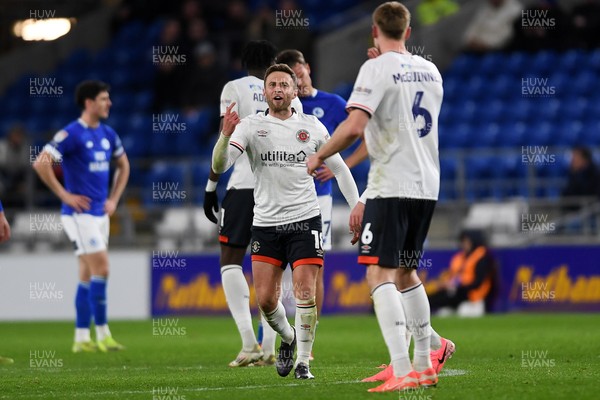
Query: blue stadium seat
(512, 134)
(543, 62)
(454, 136)
(164, 185)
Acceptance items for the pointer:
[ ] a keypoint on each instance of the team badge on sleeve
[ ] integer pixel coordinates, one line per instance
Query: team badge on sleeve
(302, 136)
(60, 136)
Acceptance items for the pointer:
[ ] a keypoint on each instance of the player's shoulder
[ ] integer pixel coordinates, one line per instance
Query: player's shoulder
(245, 81)
(424, 62)
(308, 119)
(74, 127)
(331, 96)
(108, 129)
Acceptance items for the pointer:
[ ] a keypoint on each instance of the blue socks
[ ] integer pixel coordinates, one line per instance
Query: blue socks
(83, 307)
(98, 299)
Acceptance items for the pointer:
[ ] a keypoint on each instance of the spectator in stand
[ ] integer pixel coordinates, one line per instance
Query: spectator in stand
(471, 275)
(204, 80)
(430, 12)
(585, 22)
(492, 27)
(170, 75)
(584, 179)
(543, 26)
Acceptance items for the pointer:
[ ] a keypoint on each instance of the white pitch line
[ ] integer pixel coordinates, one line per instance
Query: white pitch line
(446, 373)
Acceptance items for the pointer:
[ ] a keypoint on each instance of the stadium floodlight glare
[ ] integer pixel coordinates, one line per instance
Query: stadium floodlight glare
(44, 29)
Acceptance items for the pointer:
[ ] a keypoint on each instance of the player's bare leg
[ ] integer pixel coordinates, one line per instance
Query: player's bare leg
(83, 341)
(237, 294)
(98, 265)
(267, 283)
(305, 290)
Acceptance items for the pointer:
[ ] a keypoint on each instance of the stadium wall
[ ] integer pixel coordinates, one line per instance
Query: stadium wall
(42, 286)
(556, 278)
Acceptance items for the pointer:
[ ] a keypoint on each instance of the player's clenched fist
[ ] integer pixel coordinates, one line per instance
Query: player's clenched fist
(230, 120)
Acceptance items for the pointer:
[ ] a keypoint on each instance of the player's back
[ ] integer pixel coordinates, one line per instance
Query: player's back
(403, 94)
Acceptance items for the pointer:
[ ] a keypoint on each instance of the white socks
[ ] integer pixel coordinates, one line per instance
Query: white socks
(392, 323)
(269, 337)
(278, 321)
(237, 294)
(82, 335)
(306, 321)
(436, 340)
(102, 331)
(416, 307)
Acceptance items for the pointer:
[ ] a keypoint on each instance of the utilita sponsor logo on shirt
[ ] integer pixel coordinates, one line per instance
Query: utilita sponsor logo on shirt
(281, 156)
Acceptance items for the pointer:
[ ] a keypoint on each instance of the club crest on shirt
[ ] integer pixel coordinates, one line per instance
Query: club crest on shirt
(302, 136)
(318, 112)
(105, 143)
(262, 133)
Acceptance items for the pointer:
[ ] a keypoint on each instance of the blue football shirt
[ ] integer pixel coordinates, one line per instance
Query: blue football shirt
(330, 109)
(85, 153)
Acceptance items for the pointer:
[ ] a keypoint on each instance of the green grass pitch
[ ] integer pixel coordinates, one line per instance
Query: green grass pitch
(514, 356)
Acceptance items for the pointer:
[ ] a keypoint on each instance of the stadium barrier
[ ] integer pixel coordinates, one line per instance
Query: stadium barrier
(39, 286)
(549, 278)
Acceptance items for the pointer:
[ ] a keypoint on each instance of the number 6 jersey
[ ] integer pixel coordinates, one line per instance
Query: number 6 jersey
(403, 95)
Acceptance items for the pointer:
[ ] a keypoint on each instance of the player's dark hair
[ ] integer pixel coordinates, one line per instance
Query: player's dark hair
(281, 68)
(89, 90)
(258, 55)
(290, 57)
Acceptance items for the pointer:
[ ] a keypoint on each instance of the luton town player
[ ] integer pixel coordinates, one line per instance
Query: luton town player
(237, 208)
(287, 222)
(330, 109)
(401, 95)
(84, 149)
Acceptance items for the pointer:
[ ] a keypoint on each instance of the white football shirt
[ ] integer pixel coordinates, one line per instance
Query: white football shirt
(277, 151)
(403, 95)
(247, 92)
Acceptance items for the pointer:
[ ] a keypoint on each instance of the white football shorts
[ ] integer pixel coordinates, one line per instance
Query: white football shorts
(88, 233)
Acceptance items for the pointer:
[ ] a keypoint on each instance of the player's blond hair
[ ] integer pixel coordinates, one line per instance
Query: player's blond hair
(281, 68)
(392, 19)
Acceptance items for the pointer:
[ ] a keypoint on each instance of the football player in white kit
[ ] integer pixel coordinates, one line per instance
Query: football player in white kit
(287, 226)
(237, 208)
(401, 95)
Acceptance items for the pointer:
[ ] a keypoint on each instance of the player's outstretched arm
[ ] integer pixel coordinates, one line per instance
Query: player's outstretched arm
(43, 167)
(359, 155)
(345, 134)
(119, 182)
(347, 187)
(223, 157)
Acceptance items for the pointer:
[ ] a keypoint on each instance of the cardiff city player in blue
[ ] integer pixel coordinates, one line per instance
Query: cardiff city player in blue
(84, 149)
(330, 109)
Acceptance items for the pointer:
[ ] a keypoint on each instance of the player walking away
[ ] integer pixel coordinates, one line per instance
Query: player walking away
(4, 236)
(237, 210)
(330, 109)
(84, 148)
(287, 223)
(402, 94)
